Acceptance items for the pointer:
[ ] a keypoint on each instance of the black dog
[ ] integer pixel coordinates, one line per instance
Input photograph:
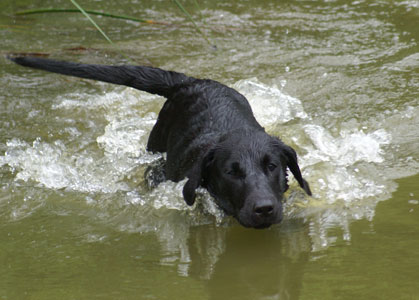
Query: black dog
(211, 137)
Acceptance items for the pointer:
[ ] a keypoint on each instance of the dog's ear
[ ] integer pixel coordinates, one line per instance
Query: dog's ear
(196, 177)
(292, 164)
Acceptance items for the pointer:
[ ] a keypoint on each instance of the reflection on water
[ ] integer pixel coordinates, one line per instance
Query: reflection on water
(271, 268)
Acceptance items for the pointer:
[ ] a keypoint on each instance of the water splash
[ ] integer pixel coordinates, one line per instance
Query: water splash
(340, 163)
(348, 148)
(53, 167)
(282, 108)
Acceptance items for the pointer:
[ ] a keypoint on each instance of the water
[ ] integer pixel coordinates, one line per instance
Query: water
(336, 80)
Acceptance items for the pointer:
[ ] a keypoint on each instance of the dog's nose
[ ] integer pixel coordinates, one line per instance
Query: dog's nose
(263, 210)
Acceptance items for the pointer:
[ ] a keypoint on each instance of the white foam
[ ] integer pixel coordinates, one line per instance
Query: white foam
(56, 166)
(407, 64)
(340, 163)
(125, 140)
(269, 104)
(350, 147)
(53, 167)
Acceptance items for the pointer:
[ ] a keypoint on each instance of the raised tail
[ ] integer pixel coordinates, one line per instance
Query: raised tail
(148, 79)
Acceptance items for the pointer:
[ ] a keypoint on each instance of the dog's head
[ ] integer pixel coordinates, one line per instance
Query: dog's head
(246, 173)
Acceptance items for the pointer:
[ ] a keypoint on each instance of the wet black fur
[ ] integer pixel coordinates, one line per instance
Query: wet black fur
(211, 137)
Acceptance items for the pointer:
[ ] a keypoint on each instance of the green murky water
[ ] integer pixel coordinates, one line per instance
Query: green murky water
(338, 80)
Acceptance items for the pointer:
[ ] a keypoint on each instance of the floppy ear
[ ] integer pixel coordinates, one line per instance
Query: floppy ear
(196, 177)
(292, 164)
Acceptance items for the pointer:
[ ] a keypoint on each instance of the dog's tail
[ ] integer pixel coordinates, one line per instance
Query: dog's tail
(151, 80)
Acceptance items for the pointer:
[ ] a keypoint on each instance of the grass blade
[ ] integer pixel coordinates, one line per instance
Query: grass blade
(200, 12)
(90, 12)
(97, 27)
(91, 21)
(193, 22)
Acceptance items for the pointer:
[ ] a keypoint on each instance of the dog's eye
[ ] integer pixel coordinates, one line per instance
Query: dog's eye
(235, 170)
(232, 172)
(267, 164)
(271, 167)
